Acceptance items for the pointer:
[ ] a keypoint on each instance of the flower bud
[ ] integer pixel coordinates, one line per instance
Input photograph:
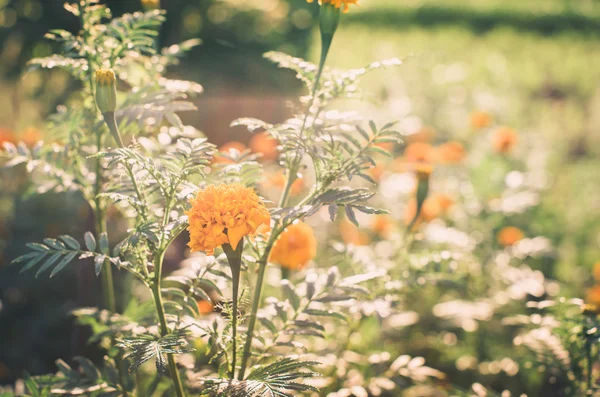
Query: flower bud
(106, 90)
(151, 4)
(329, 18)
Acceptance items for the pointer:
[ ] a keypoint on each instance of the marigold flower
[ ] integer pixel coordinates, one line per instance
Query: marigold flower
(504, 139)
(510, 235)
(597, 271)
(6, 135)
(593, 295)
(205, 307)
(278, 180)
(266, 145)
(382, 225)
(295, 247)
(338, 3)
(352, 234)
(224, 214)
(435, 206)
(480, 120)
(151, 4)
(419, 152)
(227, 148)
(106, 90)
(451, 153)
(30, 136)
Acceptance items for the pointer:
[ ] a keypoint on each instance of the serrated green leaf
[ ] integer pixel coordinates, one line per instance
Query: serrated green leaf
(90, 241)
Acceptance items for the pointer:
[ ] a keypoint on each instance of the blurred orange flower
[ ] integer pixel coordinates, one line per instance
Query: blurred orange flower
(295, 247)
(376, 172)
(226, 148)
(425, 134)
(264, 144)
(593, 295)
(30, 136)
(6, 135)
(597, 271)
(451, 153)
(434, 206)
(205, 307)
(510, 235)
(337, 3)
(382, 225)
(278, 180)
(419, 152)
(504, 139)
(480, 120)
(352, 234)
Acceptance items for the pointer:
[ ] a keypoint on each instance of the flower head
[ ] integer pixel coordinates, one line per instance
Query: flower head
(338, 3)
(295, 247)
(224, 214)
(593, 295)
(480, 120)
(451, 152)
(264, 144)
(230, 148)
(510, 235)
(505, 139)
(106, 90)
(419, 152)
(151, 4)
(6, 135)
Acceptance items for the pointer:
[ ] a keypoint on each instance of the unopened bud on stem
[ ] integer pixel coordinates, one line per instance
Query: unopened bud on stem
(106, 90)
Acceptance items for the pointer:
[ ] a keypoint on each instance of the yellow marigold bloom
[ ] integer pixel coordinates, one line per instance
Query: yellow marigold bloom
(224, 214)
(105, 77)
(505, 139)
(510, 235)
(295, 247)
(338, 3)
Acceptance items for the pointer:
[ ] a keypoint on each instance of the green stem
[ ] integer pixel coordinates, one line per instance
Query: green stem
(162, 318)
(588, 354)
(262, 266)
(108, 288)
(111, 122)
(234, 257)
(326, 41)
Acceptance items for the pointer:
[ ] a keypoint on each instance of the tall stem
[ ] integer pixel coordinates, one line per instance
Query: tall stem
(108, 288)
(234, 257)
(162, 318)
(262, 266)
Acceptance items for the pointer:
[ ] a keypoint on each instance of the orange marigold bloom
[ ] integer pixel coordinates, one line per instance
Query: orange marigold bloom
(593, 295)
(504, 139)
(205, 307)
(6, 135)
(223, 214)
(510, 235)
(295, 247)
(480, 120)
(419, 152)
(227, 148)
(338, 3)
(382, 225)
(352, 234)
(278, 180)
(434, 206)
(451, 153)
(30, 136)
(266, 145)
(597, 271)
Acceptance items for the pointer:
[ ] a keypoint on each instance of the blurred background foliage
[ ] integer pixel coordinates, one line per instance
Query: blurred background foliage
(531, 65)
